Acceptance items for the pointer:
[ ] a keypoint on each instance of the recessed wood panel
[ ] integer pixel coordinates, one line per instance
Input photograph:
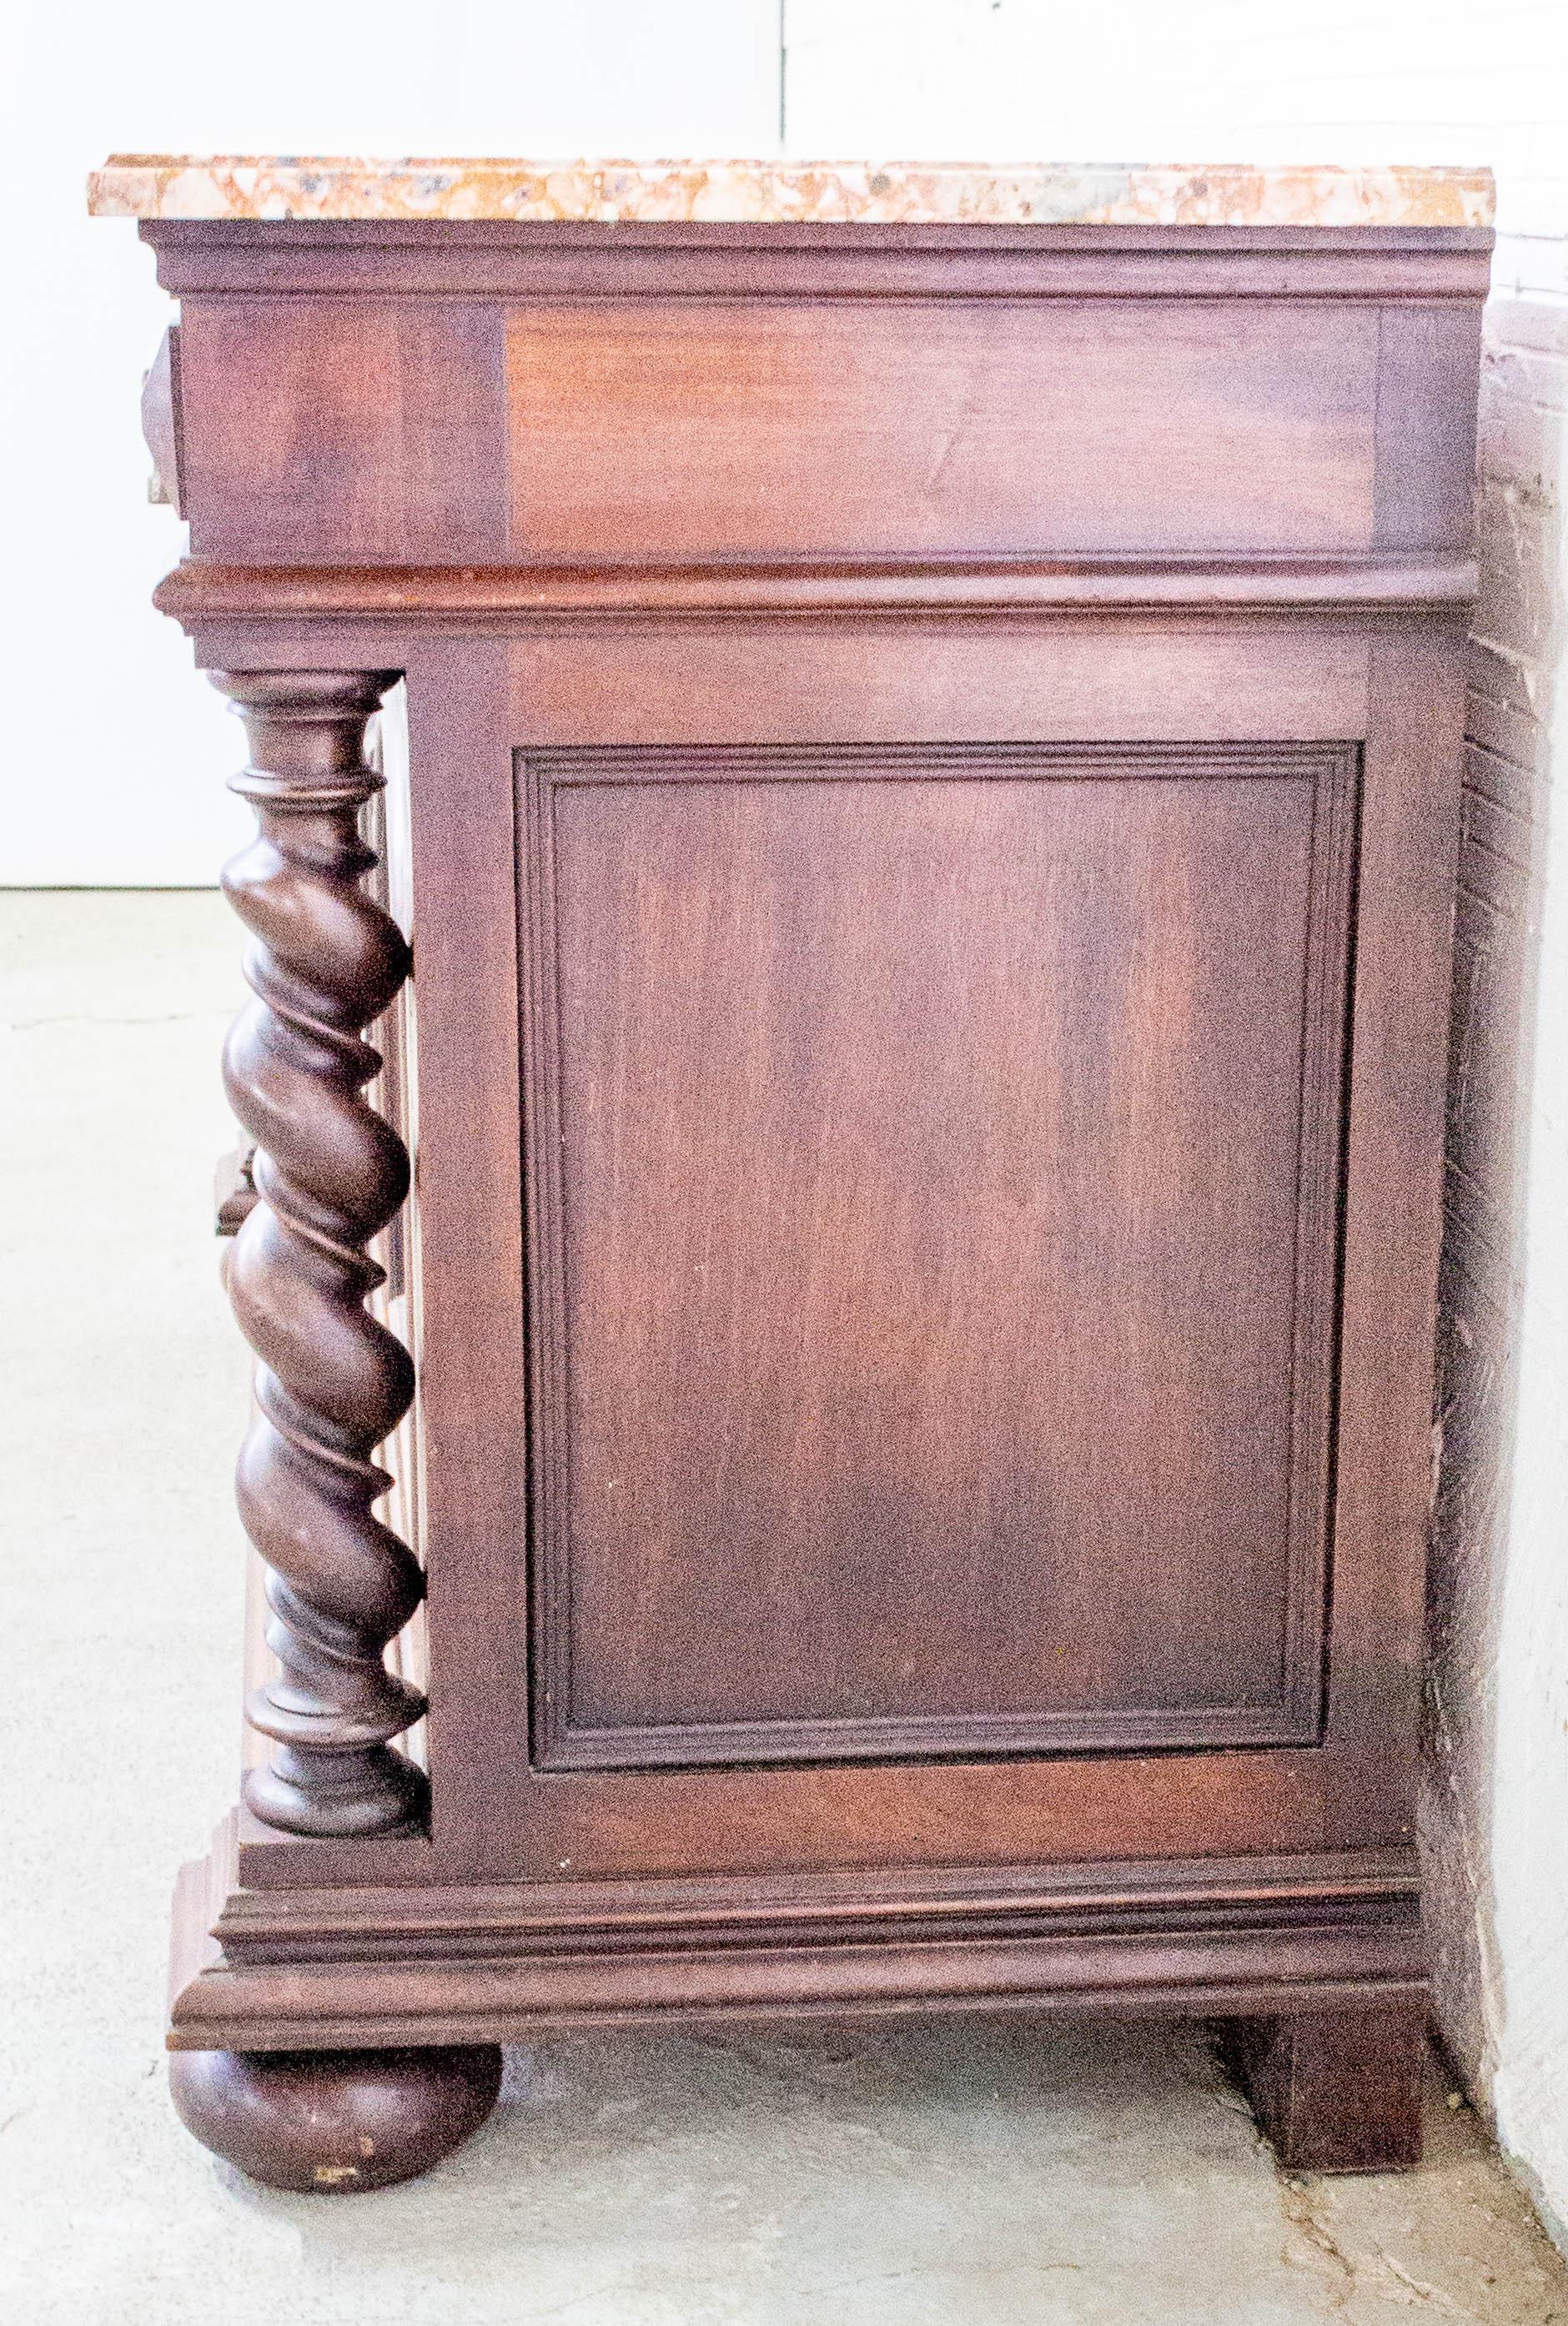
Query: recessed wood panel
(932, 1247)
(927, 428)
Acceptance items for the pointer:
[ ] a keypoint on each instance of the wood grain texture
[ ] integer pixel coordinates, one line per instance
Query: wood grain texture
(335, 2124)
(474, 1324)
(678, 393)
(495, 259)
(409, 1920)
(316, 431)
(468, 703)
(937, 429)
(505, 597)
(877, 680)
(365, 2005)
(1337, 2092)
(930, 1239)
(448, 1962)
(1428, 382)
(918, 1119)
(1394, 1190)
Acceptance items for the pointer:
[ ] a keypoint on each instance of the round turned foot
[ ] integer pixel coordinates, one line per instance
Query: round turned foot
(335, 2122)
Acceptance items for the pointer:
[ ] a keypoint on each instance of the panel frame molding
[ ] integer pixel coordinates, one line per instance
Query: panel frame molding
(556, 1744)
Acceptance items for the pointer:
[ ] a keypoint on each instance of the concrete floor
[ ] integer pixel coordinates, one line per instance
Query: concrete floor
(976, 2173)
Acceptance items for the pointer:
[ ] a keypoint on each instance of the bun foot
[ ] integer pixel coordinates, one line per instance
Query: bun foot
(335, 2122)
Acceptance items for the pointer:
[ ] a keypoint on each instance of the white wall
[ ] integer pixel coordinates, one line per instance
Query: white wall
(116, 752)
(1496, 1815)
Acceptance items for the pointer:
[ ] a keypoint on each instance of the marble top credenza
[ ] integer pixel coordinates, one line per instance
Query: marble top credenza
(905, 720)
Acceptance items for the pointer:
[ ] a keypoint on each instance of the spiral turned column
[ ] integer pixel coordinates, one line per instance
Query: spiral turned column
(331, 1382)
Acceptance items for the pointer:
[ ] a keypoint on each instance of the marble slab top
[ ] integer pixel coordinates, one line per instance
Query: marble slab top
(787, 192)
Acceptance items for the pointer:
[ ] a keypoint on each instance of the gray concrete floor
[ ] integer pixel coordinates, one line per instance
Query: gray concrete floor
(978, 2172)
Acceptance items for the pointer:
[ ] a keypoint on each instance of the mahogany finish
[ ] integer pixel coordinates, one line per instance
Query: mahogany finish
(930, 828)
(335, 2123)
(1077, 1017)
(1338, 2092)
(329, 1172)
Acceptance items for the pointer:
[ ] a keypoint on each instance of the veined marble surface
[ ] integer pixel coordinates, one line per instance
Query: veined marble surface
(787, 192)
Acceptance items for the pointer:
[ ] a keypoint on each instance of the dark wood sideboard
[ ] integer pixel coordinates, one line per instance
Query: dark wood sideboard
(932, 785)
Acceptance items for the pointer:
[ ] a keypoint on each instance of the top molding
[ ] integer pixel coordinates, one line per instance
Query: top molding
(264, 187)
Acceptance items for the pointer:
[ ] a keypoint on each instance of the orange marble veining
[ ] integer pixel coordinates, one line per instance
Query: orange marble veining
(889, 193)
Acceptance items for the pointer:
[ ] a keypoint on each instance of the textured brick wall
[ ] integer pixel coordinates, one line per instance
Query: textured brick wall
(1495, 1823)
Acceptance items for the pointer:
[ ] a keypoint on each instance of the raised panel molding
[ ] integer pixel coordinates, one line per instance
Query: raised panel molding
(568, 1733)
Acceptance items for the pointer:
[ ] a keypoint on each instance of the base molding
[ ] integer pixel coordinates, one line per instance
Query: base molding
(453, 1963)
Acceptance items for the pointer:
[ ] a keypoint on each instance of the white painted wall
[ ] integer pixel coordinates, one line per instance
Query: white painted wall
(116, 753)
(1494, 1819)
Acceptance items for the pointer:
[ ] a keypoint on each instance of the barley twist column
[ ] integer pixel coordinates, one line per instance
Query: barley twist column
(331, 1382)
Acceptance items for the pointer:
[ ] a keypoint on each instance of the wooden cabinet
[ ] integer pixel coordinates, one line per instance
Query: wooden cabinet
(932, 789)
